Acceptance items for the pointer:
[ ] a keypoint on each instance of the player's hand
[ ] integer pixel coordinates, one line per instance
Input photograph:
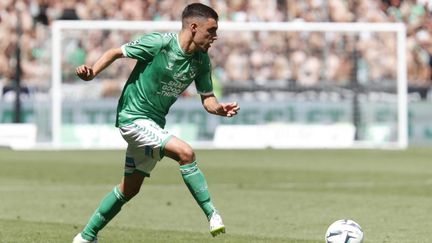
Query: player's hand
(230, 109)
(85, 72)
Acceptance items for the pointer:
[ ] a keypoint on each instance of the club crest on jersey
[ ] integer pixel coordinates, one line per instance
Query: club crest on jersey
(170, 66)
(185, 76)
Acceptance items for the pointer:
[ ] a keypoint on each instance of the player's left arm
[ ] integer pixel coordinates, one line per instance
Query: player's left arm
(212, 105)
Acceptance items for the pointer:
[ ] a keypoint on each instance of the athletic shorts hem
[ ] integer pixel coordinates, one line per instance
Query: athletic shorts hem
(162, 148)
(145, 174)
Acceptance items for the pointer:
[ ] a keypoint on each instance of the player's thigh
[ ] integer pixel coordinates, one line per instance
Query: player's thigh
(146, 141)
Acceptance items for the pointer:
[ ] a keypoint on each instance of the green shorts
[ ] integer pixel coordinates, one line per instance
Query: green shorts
(146, 143)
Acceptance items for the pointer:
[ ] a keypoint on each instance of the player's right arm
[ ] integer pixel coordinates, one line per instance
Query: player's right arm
(88, 73)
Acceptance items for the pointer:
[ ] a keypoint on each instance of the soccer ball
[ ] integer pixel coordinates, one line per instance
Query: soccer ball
(344, 231)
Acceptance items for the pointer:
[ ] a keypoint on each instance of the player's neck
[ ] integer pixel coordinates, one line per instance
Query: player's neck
(186, 43)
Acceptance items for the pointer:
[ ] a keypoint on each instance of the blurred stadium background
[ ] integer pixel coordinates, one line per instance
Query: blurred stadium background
(301, 78)
(308, 87)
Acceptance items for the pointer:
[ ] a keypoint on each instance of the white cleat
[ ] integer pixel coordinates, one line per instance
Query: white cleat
(216, 225)
(78, 239)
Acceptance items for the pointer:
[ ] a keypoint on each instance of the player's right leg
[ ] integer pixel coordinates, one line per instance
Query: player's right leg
(144, 146)
(110, 206)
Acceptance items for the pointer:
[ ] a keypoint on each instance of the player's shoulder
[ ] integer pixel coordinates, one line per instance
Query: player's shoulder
(168, 35)
(165, 37)
(202, 57)
(152, 37)
(157, 38)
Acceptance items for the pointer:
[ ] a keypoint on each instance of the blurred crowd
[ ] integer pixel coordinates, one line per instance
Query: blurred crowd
(240, 59)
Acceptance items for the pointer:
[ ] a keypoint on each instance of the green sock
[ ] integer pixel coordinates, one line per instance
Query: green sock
(197, 184)
(108, 208)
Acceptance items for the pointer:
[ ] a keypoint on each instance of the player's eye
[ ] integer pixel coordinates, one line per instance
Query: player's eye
(212, 31)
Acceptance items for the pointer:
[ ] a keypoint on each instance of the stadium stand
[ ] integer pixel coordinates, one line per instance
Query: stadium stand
(250, 65)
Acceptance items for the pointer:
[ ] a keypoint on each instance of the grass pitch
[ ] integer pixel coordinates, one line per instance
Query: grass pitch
(263, 195)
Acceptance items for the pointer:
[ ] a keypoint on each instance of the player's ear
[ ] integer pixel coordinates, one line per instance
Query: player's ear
(193, 27)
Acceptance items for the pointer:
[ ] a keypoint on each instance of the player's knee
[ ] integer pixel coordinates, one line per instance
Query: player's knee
(131, 192)
(186, 155)
(131, 185)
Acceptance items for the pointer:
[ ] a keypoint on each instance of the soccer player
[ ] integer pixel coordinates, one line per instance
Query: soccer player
(167, 63)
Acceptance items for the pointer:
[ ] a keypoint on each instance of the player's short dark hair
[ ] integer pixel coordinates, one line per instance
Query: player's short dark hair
(199, 10)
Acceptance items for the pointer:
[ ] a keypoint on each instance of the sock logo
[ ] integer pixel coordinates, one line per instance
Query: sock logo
(102, 218)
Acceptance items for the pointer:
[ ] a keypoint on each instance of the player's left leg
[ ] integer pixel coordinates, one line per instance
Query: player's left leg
(195, 181)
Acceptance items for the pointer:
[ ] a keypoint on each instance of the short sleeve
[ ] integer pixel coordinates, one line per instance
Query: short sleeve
(203, 82)
(144, 48)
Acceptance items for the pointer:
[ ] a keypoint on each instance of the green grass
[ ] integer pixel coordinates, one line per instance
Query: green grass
(263, 195)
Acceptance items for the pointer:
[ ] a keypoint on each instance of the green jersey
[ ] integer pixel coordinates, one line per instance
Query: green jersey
(162, 72)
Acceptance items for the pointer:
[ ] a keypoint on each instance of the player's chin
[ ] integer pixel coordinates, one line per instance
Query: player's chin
(205, 48)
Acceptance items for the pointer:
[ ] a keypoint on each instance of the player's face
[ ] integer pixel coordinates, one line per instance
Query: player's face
(205, 33)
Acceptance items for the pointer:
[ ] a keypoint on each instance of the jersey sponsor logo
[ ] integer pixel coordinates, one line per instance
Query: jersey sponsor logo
(172, 88)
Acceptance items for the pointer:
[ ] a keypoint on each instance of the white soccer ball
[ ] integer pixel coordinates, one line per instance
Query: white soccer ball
(344, 231)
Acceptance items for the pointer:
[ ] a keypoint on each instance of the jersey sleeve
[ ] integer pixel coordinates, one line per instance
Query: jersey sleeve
(203, 82)
(144, 48)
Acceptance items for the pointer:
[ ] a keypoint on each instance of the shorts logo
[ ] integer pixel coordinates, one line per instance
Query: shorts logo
(129, 162)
